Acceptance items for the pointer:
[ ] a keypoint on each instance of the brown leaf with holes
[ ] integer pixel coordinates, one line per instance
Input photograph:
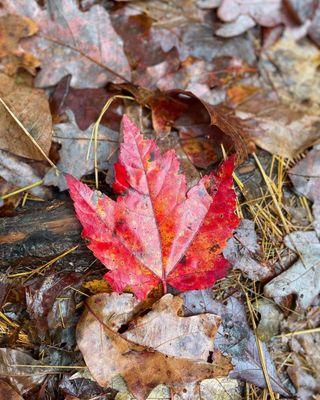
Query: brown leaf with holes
(31, 107)
(12, 29)
(113, 340)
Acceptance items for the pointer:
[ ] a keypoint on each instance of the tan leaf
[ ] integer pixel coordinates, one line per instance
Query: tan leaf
(12, 29)
(31, 107)
(143, 361)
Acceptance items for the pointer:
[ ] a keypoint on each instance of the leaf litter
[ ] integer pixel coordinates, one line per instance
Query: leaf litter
(207, 80)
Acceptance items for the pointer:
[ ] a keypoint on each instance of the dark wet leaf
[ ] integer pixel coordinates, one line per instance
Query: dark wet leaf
(41, 295)
(203, 128)
(22, 378)
(86, 105)
(85, 389)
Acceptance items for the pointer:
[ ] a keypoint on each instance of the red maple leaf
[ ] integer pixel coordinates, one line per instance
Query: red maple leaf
(157, 231)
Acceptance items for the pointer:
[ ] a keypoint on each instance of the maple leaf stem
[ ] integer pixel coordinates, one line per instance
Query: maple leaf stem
(165, 287)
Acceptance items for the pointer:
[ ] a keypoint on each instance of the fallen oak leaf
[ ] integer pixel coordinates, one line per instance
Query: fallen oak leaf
(163, 329)
(303, 278)
(66, 45)
(107, 353)
(155, 233)
(12, 29)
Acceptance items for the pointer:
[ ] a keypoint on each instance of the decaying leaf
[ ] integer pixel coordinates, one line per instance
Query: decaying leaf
(13, 28)
(303, 278)
(107, 352)
(304, 371)
(85, 389)
(172, 335)
(243, 250)
(7, 392)
(221, 389)
(276, 127)
(155, 233)
(305, 176)
(270, 319)
(293, 68)
(31, 107)
(235, 338)
(73, 153)
(69, 41)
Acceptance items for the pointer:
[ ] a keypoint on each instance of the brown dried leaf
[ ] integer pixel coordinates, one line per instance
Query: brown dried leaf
(293, 68)
(31, 107)
(108, 353)
(163, 330)
(12, 29)
(7, 392)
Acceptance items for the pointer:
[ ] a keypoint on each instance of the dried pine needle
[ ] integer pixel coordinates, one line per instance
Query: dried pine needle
(42, 267)
(95, 132)
(23, 189)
